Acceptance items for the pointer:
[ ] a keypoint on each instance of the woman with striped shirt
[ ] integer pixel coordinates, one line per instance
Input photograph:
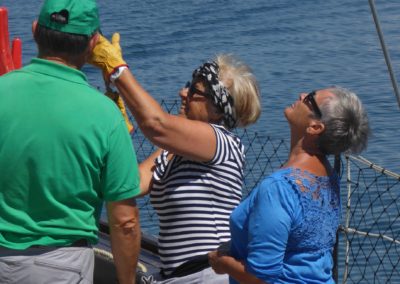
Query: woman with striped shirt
(194, 188)
(196, 180)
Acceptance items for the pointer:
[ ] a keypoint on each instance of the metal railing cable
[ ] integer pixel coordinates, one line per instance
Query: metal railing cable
(347, 221)
(371, 227)
(385, 50)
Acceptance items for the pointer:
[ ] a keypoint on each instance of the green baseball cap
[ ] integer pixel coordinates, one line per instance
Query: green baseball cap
(70, 16)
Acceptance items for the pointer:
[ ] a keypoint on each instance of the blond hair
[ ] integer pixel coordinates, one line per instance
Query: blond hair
(242, 85)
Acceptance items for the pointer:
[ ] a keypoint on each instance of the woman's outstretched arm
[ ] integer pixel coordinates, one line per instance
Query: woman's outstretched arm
(192, 139)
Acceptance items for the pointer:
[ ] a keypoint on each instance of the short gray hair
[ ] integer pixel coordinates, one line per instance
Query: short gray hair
(346, 123)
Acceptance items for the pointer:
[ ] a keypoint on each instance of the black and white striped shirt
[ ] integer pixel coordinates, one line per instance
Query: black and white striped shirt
(194, 200)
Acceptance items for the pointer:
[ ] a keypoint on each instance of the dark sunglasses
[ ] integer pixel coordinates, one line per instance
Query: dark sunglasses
(193, 90)
(309, 99)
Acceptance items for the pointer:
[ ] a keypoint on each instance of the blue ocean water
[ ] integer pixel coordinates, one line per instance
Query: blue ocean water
(292, 46)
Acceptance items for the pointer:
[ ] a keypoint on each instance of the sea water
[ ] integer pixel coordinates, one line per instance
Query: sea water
(292, 46)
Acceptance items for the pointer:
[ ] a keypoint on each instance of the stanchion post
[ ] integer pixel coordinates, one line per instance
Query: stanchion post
(10, 59)
(6, 63)
(335, 255)
(16, 53)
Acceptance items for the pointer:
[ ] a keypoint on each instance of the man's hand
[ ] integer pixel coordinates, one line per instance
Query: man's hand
(107, 55)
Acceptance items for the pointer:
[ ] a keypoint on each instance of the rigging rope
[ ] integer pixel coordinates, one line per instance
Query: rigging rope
(384, 49)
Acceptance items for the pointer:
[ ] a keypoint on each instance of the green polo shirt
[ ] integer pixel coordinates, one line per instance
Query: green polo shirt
(64, 148)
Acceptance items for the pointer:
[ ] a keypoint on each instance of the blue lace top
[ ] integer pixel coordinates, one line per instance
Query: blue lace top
(285, 229)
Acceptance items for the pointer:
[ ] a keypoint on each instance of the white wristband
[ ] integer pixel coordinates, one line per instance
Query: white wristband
(118, 72)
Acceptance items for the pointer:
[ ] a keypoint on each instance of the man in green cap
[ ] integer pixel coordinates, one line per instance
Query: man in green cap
(64, 149)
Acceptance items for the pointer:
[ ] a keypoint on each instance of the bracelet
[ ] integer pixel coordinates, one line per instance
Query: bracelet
(117, 73)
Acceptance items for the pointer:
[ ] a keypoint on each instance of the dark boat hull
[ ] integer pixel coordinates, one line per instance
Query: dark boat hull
(104, 271)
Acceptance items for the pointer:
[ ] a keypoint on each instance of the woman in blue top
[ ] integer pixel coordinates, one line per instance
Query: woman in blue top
(285, 230)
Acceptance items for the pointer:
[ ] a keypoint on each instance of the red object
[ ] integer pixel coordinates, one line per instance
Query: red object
(16, 53)
(9, 60)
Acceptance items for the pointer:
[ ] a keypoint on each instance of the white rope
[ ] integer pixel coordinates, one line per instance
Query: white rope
(103, 253)
(109, 257)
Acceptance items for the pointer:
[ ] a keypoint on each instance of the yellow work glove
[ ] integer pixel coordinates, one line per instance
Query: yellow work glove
(107, 55)
(117, 99)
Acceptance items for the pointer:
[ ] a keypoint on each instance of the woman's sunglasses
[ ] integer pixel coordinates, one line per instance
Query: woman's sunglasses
(193, 90)
(309, 99)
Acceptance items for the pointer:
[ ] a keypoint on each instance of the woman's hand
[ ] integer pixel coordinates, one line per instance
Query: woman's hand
(225, 264)
(107, 55)
(217, 261)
